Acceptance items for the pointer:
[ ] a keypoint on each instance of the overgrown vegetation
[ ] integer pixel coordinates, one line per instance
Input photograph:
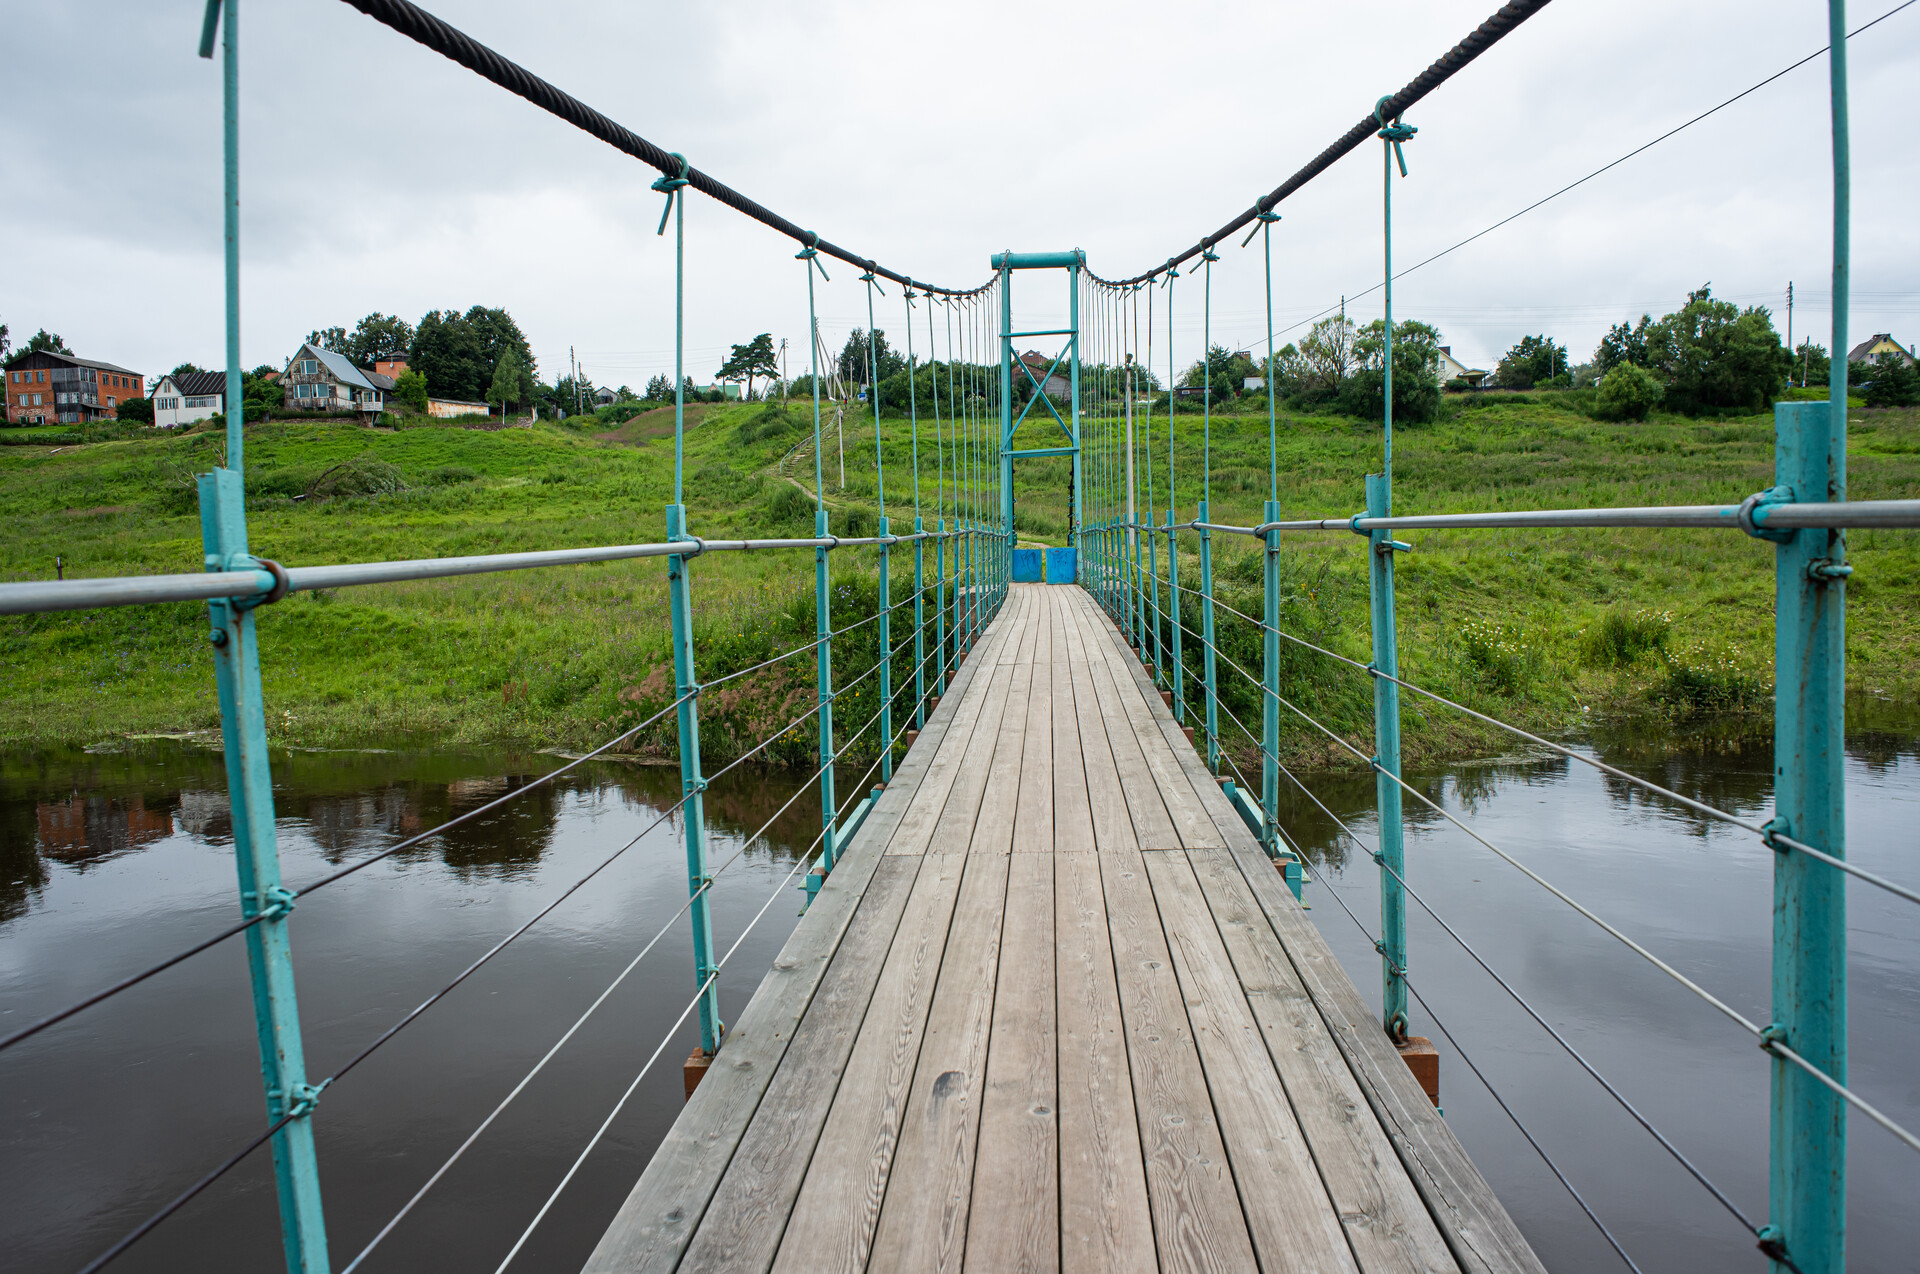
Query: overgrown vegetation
(1546, 628)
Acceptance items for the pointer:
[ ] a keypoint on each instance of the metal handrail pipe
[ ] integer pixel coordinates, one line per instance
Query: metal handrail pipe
(1781, 516)
(137, 590)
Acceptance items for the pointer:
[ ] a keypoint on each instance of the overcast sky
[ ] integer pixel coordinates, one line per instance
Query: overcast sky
(379, 176)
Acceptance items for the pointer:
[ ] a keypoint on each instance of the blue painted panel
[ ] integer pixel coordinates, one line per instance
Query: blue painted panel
(1028, 568)
(1060, 566)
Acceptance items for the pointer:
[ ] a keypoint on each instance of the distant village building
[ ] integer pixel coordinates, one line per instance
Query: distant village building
(181, 400)
(1877, 344)
(1057, 386)
(44, 388)
(319, 379)
(390, 367)
(1452, 368)
(448, 408)
(604, 395)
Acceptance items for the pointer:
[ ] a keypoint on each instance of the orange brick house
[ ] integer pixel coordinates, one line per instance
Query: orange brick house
(44, 388)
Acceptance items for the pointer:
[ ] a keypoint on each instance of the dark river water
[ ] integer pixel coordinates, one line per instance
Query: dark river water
(112, 859)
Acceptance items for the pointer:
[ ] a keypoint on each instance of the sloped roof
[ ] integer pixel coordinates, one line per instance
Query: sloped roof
(74, 359)
(1858, 354)
(195, 384)
(339, 365)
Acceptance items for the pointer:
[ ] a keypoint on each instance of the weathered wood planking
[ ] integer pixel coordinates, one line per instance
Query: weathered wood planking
(1120, 1046)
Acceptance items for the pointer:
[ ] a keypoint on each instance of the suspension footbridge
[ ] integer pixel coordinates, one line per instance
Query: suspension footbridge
(1055, 1002)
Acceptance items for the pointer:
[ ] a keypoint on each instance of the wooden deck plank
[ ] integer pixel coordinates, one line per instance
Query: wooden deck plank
(1105, 1224)
(831, 1227)
(1288, 1213)
(660, 1214)
(1387, 1225)
(1014, 1218)
(969, 694)
(923, 1224)
(1076, 1056)
(1478, 1230)
(1072, 813)
(1000, 795)
(749, 1210)
(1152, 824)
(1160, 743)
(1197, 1221)
(1033, 816)
(1112, 824)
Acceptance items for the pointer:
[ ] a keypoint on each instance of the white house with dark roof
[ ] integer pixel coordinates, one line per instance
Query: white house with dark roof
(181, 400)
(319, 379)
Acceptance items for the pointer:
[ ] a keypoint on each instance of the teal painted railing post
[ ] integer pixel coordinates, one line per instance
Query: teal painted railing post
(1807, 1196)
(886, 654)
(1209, 664)
(276, 1011)
(1807, 1178)
(1270, 701)
(1386, 737)
(940, 609)
(823, 633)
(243, 729)
(1176, 668)
(1153, 574)
(692, 784)
(919, 624)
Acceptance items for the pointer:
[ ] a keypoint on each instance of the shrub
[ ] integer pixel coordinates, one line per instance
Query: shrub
(1622, 637)
(449, 475)
(1702, 679)
(410, 387)
(1628, 392)
(1502, 657)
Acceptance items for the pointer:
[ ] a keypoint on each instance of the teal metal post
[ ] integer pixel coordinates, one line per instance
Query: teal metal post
(886, 654)
(1153, 573)
(692, 783)
(1208, 663)
(1807, 1197)
(823, 633)
(919, 625)
(1179, 686)
(243, 728)
(276, 1011)
(1270, 677)
(940, 609)
(1807, 1180)
(1078, 537)
(1386, 736)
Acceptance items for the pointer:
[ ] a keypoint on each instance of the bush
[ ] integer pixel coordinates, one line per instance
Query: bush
(139, 410)
(1628, 392)
(1623, 637)
(1704, 680)
(410, 387)
(451, 475)
(1895, 383)
(771, 421)
(1502, 657)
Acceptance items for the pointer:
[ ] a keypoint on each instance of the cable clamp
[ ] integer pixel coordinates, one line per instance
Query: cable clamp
(869, 278)
(1773, 1245)
(1770, 831)
(1824, 570)
(1393, 134)
(247, 562)
(811, 254)
(279, 902)
(1387, 548)
(1770, 1035)
(692, 786)
(669, 186)
(828, 547)
(1353, 524)
(1753, 511)
(301, 1099)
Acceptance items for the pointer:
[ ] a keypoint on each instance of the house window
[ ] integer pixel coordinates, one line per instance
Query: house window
(309, 366)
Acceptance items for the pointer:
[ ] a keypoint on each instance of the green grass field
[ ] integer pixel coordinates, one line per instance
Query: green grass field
(1552, 629)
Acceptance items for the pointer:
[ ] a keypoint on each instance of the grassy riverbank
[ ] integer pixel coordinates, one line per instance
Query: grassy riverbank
(1551, 629)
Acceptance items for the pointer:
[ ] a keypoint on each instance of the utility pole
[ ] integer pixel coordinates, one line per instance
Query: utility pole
(1790, 320)
(783, 371)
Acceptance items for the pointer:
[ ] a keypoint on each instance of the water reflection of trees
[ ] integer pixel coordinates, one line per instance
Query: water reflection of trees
(1731, 771)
